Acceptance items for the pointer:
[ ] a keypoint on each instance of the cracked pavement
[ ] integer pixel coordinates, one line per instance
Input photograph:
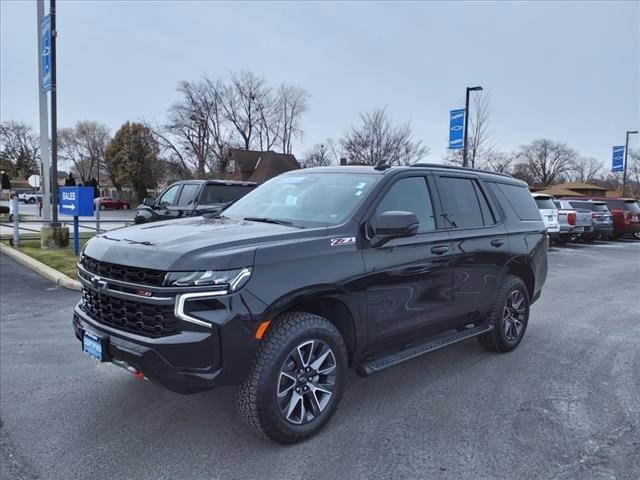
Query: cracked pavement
(564, 405)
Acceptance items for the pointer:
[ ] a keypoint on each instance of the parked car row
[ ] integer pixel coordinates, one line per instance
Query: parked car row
(588, 219)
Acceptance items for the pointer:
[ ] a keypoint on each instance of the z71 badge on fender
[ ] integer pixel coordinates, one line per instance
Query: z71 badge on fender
(338, 242)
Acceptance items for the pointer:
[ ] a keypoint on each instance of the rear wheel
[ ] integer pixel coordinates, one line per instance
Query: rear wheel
(297, 378)
(102, 207)
(125, 207)
(509, 317)
(562, 239)
(32, 201)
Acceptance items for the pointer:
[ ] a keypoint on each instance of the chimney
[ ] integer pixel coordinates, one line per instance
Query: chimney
(343, 162)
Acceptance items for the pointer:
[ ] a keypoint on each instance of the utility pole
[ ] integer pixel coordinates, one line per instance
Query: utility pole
(624, 171)
(466, 123)
(44, 126)
(54, 122)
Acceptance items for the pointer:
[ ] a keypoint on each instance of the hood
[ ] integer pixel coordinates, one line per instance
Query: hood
(194, 243)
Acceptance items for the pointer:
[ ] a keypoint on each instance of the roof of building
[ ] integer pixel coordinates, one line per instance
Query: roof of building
(580, 186)
(559, 191)
(262, 166)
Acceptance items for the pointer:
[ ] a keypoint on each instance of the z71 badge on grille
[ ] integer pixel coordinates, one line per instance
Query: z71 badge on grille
(338, 242)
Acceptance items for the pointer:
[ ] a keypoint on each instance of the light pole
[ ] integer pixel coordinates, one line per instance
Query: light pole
(466, 122)
(624, 171)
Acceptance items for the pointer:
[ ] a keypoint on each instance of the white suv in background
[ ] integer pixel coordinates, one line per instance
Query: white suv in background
(549, 213)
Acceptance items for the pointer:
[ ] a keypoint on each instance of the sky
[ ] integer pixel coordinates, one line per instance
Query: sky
(568, 71)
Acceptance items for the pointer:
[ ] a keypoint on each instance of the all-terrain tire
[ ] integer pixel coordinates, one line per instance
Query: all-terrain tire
(496, 340)
(256, 396)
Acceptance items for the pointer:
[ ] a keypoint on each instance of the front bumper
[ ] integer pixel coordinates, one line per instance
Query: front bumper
(213, 345)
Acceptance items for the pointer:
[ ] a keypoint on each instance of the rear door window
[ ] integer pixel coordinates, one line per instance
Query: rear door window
(188, 195)
(460, 202)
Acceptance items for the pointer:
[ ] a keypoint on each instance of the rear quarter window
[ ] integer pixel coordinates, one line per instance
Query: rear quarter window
(520, 200)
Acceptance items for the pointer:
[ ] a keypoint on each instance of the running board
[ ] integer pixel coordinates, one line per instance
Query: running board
(381, 363)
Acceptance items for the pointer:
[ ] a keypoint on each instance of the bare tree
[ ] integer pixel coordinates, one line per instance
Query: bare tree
(480, 139)
(584, 170)
(319, 156)
(21, 146)
(497, 161)
(196, 135)
(377, 140)
(84, 146)
(633, 173)
(545, 161)
(242, 98)
(291, 104)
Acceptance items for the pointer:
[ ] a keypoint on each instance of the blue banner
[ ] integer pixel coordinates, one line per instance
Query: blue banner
(456, 129)
(45, 53)
(617, 159)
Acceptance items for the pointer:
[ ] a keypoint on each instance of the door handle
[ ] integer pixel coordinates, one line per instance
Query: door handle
(497, 242)
(439, 250)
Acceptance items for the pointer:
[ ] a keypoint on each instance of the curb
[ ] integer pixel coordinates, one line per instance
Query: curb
(59, 278)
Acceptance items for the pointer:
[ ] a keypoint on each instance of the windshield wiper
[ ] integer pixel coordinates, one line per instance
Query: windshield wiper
(268, 220)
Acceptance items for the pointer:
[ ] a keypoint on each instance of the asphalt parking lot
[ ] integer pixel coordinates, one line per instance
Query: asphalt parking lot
(564, 405)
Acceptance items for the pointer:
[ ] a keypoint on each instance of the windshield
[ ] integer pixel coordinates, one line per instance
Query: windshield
(305, 200)
(545, 203)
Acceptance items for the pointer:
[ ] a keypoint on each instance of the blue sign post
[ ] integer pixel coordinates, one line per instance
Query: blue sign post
(77, 202)
(456, 129)
(45, 54)
(617, 159)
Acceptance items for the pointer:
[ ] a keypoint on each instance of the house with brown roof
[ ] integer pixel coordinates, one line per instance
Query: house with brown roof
(256, 166)
(572, 189)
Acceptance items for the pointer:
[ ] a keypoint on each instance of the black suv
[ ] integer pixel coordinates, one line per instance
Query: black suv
(191, 198)
(313, 272)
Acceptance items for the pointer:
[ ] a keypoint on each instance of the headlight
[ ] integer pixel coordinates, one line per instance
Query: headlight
(231, 279)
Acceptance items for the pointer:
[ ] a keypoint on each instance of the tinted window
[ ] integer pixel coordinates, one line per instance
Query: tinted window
(520, 200)
(188, 194)
(487, 214)
(599, 207)
(410, 195)
(223, 193)
(169, 196)
(460, 202)
(544, 203)
(631, 206)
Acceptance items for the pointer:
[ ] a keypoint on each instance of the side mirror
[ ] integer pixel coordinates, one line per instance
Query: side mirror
(394, 224)
(149, 202)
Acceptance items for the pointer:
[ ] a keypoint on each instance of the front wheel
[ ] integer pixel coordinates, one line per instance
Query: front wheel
(509, 317)
(297, 378)
(125, 207)
(102, 207)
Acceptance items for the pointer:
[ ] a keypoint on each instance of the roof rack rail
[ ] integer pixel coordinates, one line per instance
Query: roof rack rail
(455, 167)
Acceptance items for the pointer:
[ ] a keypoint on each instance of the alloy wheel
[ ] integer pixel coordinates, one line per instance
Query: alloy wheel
(514, 313)
(306, 382)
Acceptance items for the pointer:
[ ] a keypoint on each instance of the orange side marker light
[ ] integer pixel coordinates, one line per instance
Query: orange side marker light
(262, 329)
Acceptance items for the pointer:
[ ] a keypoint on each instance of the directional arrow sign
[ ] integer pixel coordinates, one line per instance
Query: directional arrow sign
(76, 201)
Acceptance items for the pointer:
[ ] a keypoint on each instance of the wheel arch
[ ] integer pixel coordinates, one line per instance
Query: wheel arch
(521, 268)
(326, 303)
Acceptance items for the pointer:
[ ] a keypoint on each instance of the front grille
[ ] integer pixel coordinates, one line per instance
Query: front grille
(135, 317)
(124, 273)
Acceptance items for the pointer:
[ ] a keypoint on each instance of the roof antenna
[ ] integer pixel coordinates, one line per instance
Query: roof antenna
(382, 165)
